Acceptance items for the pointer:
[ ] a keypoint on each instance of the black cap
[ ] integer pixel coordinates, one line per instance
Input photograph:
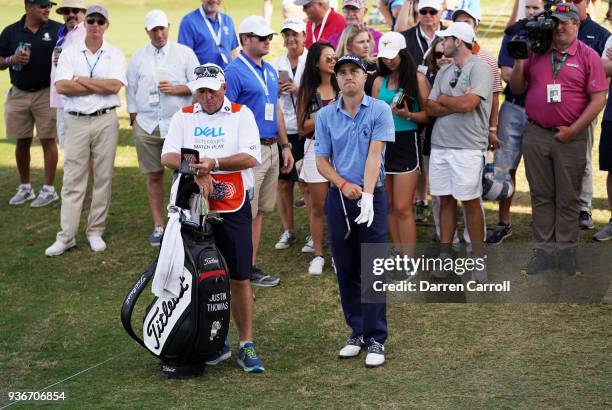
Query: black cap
(40, 2)
(349, 58)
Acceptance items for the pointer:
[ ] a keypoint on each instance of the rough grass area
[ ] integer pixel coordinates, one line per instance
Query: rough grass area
(60, 316)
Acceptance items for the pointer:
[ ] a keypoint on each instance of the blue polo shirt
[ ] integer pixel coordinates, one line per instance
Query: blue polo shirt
(194, 33)
(244, 88)
(347, 140)
(593, 35)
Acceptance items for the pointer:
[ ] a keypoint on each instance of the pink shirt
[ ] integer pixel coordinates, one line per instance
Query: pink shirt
(581, 74)
(334, 24)
(75, 36)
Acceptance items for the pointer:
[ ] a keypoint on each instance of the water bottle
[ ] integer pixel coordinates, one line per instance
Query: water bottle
(17, 67)
(398, 98)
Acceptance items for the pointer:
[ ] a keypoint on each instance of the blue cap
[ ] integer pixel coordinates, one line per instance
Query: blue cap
(349, 58)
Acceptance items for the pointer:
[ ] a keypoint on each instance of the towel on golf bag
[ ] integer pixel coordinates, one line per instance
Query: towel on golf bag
(171, 261)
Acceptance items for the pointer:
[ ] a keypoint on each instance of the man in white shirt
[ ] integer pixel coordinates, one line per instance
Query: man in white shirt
(157, 88)
(89, 75)
(227, 138)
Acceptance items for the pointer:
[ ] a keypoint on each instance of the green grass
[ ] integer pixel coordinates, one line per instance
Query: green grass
(61, 315)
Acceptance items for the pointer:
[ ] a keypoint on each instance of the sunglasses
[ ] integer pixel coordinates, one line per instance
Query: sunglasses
(438, 55)
(262, 38)
(455, 80)
(92, 21)
(431, 12)
(331, 59)
(68, 10)
(208, 71)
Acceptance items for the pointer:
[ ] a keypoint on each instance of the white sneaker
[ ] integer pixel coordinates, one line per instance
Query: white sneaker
(286, 240)
(352, 348)
(23, 194)
(316, 266)
(59, 247)
(376, 354)
(309, 246)
(96, 243)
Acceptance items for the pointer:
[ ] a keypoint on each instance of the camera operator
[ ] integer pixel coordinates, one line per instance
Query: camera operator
(566, 89)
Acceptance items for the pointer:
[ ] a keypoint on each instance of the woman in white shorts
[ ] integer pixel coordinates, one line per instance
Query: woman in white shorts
(317, 89)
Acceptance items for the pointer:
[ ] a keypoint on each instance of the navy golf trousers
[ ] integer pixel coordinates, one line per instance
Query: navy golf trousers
(367, 319)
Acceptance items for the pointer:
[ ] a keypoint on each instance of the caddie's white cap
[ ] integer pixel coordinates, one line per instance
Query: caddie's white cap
(463, 31)
(155, 18)
(209, 76)
(294, 24)
(390, 44)
(432, 4)
(256, 25)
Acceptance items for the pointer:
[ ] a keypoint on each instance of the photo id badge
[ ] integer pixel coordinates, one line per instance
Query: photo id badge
(154, 98)
(553, 93)
(269, 113)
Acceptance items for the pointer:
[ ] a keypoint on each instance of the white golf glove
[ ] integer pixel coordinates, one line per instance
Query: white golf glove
(367, 209)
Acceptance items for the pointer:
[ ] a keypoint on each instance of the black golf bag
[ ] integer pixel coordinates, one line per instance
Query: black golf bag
(185, 331)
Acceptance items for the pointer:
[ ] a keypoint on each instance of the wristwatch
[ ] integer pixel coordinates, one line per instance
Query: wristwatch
(287, 145)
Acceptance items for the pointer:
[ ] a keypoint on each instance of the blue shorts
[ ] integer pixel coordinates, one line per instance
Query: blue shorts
(233, 238)
(510, 129)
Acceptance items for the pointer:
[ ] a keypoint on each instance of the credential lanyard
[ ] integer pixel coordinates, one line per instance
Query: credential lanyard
(264, 82)
(312, 28)
(556, 67)
(216, 36)
(91, 68)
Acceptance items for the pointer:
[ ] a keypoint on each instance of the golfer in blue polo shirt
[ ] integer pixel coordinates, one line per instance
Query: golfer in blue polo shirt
(210, 34)
(350, 144)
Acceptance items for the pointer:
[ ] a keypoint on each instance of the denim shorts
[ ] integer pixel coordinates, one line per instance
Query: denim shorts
(510, 129)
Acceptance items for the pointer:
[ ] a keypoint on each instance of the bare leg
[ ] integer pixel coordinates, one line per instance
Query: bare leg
(318, 193)
(257, 221)
(475, 225)
(448, 219)
(403, 192)
(284, 202)
(155, 191)
(50, 154)
(504, 205)
(22, 157)
(242, 308)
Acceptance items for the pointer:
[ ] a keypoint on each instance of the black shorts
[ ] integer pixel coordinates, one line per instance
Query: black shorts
(233, 238)
(297, 150)
(403, 155)
(605, 146)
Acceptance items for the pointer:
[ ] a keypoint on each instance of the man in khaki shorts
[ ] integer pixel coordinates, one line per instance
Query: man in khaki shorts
(89, 74)
(157, 77)
(26, 47)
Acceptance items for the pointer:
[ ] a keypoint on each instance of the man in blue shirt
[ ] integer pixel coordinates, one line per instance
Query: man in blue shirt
(350, 143)
(210, 34)
(595, 36)
(254, 83)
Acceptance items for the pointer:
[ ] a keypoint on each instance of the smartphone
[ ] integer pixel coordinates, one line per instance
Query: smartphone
(284, 76)
(189, 157)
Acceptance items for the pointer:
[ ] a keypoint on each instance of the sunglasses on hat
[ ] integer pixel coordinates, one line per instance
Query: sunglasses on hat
(207, 71)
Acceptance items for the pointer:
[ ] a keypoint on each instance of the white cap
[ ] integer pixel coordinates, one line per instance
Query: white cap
(471, 13)
(390, 44)
(294, 24)
(301, 2)
(155, 18)
(256, 25)
(463, 31)
(432, 4)
(209, 76)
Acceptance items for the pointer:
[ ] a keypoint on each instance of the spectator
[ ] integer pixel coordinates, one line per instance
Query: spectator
(399, 76)
(605, 146)
(232, 160)
(390, 10)
(290, 68)
(420, 37)
(357, 41)
(214, 41)
(594, 36)
(27, 101)
(354, 12)
(254, 83)
(157, 88)
(555, 140)
(318, 89)
(89, 74)
(511, 126)
(353, 162)
(73, 31)
(461, 99)
(452, 6)
(323, 21)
